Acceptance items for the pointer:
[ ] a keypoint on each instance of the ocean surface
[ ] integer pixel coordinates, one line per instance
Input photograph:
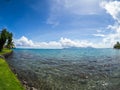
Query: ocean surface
(68, 69)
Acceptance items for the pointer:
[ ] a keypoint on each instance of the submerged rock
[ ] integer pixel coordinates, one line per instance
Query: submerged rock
(83, 76)
(32, 88)
(83, 82)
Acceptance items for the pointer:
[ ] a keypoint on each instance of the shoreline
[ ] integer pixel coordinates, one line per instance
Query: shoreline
(3, 57)
(23, 82)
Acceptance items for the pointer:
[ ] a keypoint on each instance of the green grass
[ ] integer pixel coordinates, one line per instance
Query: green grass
(8, 80)
(5, 50)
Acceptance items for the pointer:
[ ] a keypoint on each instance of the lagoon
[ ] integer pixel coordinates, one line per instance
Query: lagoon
(68, 69)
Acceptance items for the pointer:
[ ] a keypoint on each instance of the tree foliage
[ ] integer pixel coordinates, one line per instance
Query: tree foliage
(117, 45)
(9, 41)
(6, 39)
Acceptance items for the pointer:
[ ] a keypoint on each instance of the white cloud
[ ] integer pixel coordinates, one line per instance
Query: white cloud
(24, 42)
(112, 8)
(65, 42)
(114, 36)
(47, 45)
(99, 35)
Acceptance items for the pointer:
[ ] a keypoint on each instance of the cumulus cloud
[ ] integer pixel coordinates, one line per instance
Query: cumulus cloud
(112, 8)
(65, 42)
(113, 37)
(24, 42)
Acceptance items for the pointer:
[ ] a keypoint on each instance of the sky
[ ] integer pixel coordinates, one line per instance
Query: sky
(62, 23)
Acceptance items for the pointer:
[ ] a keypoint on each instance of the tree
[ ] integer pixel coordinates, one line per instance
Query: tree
(117, 45)
(6, 39)
(3, 38)
(9, 41)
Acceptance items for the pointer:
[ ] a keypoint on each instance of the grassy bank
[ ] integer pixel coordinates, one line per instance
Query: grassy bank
(5, 50)
(8, 81)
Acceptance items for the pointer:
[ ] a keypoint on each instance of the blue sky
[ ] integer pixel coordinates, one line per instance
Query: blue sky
(46, 21)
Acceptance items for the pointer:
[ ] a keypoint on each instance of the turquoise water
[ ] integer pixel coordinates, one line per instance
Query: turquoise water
(68, 69)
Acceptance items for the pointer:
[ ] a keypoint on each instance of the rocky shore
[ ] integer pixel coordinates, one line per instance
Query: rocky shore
(23, 82)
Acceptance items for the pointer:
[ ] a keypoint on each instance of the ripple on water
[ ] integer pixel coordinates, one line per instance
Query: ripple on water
(82, 69)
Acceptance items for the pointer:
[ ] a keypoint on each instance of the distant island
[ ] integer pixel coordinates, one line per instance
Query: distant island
(117, 46)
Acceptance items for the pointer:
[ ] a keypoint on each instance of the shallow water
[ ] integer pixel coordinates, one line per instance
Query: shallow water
(68, 69)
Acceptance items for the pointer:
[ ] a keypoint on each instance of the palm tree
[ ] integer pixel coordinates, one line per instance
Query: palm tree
(6, 39)
(3, 38)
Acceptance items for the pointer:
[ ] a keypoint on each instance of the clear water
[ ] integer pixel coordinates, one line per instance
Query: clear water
(68, 69)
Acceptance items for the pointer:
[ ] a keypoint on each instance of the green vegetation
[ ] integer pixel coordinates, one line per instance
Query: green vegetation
(5, 50)
(117, 45)
(8, 80)
(10, 41)
(6, 39)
